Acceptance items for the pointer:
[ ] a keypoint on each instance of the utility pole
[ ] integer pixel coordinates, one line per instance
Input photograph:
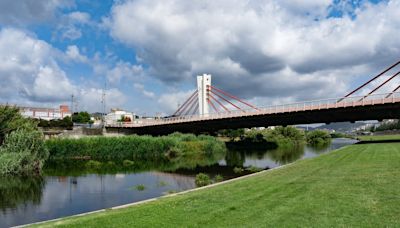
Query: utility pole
(103, 102)
(72, 105)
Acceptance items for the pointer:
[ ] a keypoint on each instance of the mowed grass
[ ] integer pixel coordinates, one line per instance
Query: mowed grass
(378, 137)
(355, 186)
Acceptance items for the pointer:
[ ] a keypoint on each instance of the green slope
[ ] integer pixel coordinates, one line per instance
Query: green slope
(356, 186)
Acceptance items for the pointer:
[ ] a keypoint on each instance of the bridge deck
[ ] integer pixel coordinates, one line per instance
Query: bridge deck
(327, 104)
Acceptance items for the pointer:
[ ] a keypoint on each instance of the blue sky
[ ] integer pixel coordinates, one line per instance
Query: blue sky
(149, 53)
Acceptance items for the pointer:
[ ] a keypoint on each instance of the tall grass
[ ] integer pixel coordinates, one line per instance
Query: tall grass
(136, 148)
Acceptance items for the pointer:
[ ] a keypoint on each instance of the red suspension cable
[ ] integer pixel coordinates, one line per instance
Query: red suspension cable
(212, 105)
(191, 107)
(223, 106)
(193, 99)
(184, 104)
(233, 97)
(377, 76)
(388, 80)
(225, 100)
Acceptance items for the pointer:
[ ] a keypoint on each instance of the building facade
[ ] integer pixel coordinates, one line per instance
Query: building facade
(45, 113)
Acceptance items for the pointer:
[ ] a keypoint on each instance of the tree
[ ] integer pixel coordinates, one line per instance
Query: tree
(318, 137)
(81, 117)
(232, 133)
(22, 149)
(11, 120)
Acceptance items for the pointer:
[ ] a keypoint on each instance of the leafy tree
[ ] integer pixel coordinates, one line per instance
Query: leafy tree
(81, 117)
(66, 122)
(318, 137)
(22, 150)
(232, 133)
(11, 120)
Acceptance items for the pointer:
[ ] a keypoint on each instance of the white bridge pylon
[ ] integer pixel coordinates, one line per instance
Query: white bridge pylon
(203, 87)
(206, 97)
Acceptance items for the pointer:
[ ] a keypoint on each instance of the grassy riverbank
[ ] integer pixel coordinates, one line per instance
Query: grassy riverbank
(378, 137)
(354, 186)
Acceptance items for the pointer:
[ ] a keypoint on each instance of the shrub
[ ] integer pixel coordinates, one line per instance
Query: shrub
(202, 179)
(318, 137)
(128, 163)
(134, 148)
(11, 120)
(238, 170)
(23, 152)
(140, 187)
(93, 164)
(253, 169)
(218, 178)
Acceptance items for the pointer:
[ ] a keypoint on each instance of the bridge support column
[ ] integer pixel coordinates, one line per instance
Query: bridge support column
(203, 83)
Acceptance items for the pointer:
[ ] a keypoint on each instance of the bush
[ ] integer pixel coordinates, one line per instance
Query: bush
(11, 120)
(81, 117)
(218, 178)
(318, 137)
(171, 148)
(65, 123)
(232, 134)
(253, 169)
(140, 187)
(23, 152)
(277, 136)
(128, 163)
(93, 165)
(202, 180)
(238, 170)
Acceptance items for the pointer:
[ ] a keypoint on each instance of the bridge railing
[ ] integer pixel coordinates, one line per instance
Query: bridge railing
(329, 103)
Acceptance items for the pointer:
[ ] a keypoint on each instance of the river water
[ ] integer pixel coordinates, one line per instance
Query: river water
(69, 190)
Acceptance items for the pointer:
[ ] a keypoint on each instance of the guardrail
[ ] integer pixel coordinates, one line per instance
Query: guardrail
(275, 109)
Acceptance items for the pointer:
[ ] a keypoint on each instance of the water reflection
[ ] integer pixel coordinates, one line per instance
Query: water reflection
(15, 191)
(287, 154)
(72, 187)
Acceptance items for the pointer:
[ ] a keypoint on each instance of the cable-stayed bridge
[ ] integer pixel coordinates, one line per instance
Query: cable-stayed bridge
(210, 109)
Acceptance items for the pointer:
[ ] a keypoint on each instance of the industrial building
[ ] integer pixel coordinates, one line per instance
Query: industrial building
(45, 113)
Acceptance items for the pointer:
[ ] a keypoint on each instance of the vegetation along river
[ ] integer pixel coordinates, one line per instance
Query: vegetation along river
(69, 188)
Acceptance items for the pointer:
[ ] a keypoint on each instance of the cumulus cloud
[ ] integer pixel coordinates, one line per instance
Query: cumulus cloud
(74, 54)
(140, 87)
(30, 74)
(91, 99)
(170, 102)
(70, 25)
(30, 11)
(122, 70)
(29, 69)
(255, 49)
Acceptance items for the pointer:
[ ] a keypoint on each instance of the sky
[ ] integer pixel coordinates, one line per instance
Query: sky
(146, 54)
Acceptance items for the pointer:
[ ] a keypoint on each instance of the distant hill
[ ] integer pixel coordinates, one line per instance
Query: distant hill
(342, 126)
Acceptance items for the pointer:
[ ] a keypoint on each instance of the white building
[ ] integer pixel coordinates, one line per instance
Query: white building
(117, 115)
(45, 113)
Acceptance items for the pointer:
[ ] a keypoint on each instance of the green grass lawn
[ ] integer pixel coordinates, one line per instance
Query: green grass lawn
(355, 186)
(378, 137)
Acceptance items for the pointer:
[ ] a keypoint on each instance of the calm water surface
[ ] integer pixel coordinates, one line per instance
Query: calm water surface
(63, 193)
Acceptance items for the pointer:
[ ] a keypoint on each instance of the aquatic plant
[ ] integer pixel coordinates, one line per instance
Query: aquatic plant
(202, 179)
(173, 148)
(238, 170)
(140, 187)
(218, 178)
(253, 169)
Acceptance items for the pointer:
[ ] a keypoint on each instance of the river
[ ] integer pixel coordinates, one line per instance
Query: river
(65, 191)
